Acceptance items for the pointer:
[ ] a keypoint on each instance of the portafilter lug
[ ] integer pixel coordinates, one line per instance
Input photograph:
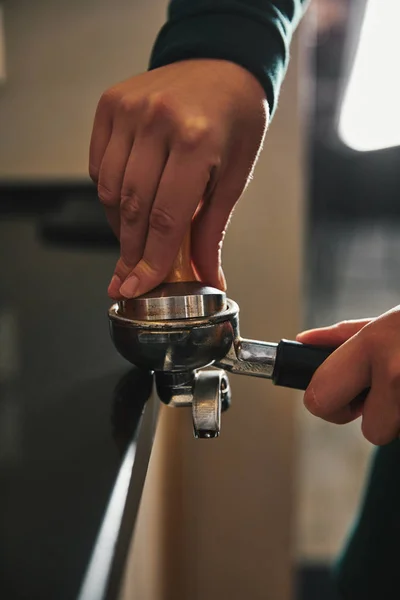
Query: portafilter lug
(209, 388)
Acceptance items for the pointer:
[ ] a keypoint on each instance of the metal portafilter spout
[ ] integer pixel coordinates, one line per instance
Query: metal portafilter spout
(182, 326)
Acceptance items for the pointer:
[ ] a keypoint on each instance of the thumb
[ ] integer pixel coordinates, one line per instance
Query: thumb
(334, 335)
(334, 389)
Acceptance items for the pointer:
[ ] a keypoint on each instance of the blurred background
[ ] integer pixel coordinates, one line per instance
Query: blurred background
(264, 511)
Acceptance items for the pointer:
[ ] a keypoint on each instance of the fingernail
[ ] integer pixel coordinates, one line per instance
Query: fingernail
(114, 286)
(311, 402)
(221, 279)
(129, 287)
(304, 333)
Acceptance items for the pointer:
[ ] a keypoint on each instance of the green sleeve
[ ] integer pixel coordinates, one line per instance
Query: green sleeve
(369, 568)
(255, 34)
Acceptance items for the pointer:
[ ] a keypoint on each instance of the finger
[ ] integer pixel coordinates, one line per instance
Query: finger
(181, 189)
(208, 232)
(101, 134)
(212, 219)
(112, 171)
(338, 381)
(381, 413)
(335, 335)
(142, 177)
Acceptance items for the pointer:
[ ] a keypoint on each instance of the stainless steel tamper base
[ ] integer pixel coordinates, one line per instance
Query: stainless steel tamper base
(170, 301)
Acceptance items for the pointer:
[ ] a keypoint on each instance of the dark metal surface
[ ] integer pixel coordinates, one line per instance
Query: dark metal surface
(69, 405)
(105, 572)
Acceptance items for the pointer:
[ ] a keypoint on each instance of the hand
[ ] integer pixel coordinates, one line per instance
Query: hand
(368, 356)
(171, 149)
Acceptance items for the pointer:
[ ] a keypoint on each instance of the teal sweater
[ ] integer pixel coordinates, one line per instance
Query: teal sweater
(369, 568)
(256, 34)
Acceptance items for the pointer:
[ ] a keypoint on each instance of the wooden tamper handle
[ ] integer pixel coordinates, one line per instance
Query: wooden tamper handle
(182, 269)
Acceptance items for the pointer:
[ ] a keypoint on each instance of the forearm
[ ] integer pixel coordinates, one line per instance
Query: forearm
(255, 34)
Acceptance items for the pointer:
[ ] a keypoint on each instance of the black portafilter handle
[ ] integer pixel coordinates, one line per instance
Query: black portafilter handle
(296, 363)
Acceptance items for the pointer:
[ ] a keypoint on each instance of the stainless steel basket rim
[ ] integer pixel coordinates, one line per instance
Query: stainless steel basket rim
(231, 311)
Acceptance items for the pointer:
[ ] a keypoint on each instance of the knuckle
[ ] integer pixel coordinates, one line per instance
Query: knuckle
(194, 133)
(162, 222)
(127, 105)
(159, 106)
(130, 207)
(108, 197)
(109, 98)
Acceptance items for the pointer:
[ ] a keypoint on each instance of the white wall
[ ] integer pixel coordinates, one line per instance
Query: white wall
(61, 55)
